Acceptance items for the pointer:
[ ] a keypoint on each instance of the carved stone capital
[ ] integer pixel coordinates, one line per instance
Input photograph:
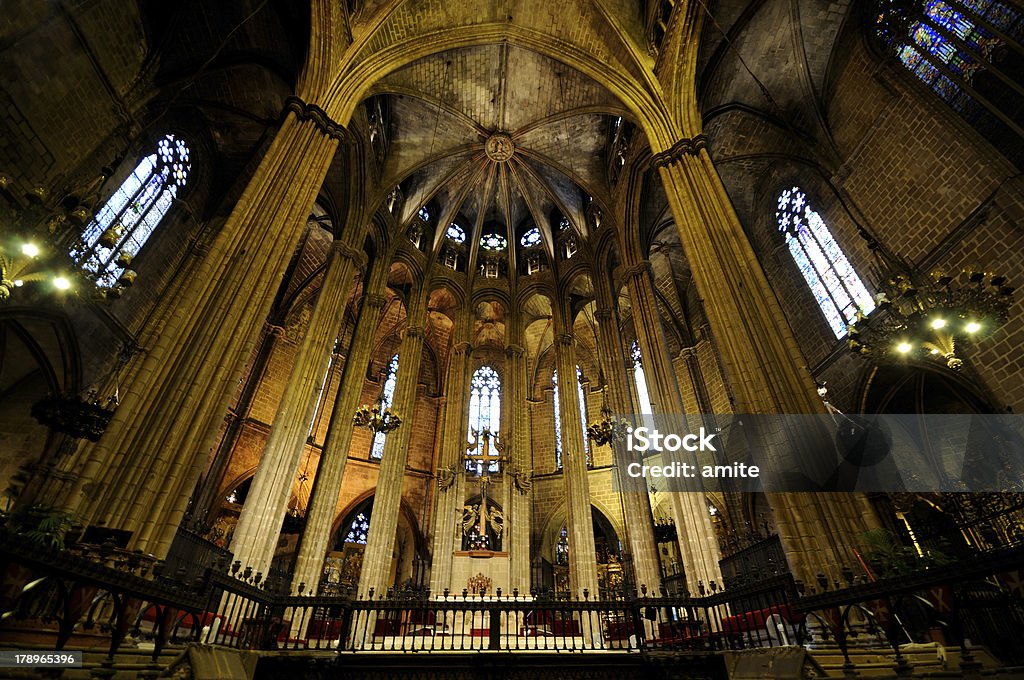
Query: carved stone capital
(514, 351)
(306, 111)
(275, 330)
(414, 332)
(688, 353)
(630, 271)
(566, 339)
(347, 251)
(603, 315)
(684, 147)
(462, 348)
(375, 300)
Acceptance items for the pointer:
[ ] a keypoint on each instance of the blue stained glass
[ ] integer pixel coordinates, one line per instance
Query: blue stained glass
(357, 530)
(833, 281)
(135, 209)
(530, 238)
(456, 233)
(387, 396)
(965, 58)
(583, 412)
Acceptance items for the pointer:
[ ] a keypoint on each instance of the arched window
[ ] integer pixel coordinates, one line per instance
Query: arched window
(484, 412)
(387, 396)
(423, 213)
(640, 379)
(837, 288)
(493, 241)
(957, 48)
(358, 528)
(456, 233)
(530, 238)
(558, 416)
(562, 547)
(121, 227)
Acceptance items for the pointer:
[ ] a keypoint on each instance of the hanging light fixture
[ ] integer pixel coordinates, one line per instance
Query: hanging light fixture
(378, 418)
(927, 316)
(607, 430)
(46, 236)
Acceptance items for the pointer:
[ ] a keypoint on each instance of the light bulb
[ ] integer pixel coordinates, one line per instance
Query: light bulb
(904, 347)
(61, 283)
(30, 249)
(938, 323)
(972, 327)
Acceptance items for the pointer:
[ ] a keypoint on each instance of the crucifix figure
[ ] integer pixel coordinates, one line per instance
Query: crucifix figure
(479, 459)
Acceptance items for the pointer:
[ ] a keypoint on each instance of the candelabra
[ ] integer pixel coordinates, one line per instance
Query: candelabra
(607, 430)
(378, 418)
(929, 316)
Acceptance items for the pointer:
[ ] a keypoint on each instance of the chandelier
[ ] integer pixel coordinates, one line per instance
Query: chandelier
(76, 416)
(929, 317)
(378, 418)
(46, 248)
(607, 430)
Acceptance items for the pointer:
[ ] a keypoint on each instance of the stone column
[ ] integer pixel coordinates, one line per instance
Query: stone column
(582, 551)
(206, 500)
(451, 462)
(140, 474)
(323, 496)
(380, 540)
(259, 525)
(760, 355)
(636, 503)
(696, 534)
(518, 474)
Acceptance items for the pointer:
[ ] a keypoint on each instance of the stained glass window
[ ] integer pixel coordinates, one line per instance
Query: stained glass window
(357, 530)
(494, 242)
(484, 412)
(640, 379)
(456, 233)
(387, 396)
(581, 393)
(530, 238)
(558, 420)
(423, 214)
(937, 39)
(833, 281)
(321, 394)
(558, 416)
(562, 548)
(121, 227)
(563, 224)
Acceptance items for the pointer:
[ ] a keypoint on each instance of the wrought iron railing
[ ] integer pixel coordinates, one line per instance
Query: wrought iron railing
(977, 600)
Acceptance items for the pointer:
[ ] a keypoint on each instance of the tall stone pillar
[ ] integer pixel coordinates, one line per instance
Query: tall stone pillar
(140, 474)
(451, 480)
(696, 534)
(582, 551)
(636, 503)
(259, 525)
(761, 357)
(380, 540)
(517, 471)
(206, 502)
(323, 496)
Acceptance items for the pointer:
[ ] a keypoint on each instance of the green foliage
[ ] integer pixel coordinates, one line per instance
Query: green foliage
(42, 524)
(890, 557)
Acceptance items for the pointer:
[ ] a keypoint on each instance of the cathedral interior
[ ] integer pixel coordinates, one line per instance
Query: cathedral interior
(356, 299)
